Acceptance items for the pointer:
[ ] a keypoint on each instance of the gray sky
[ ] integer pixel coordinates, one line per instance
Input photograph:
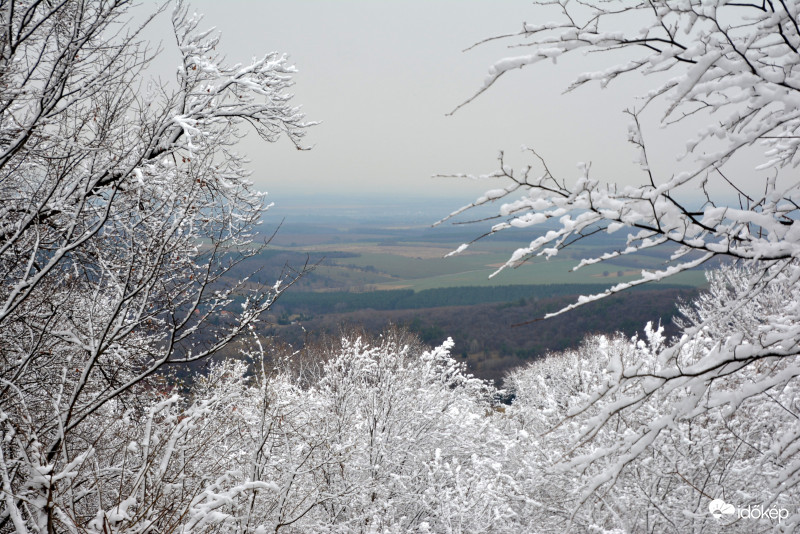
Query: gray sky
(381, 75)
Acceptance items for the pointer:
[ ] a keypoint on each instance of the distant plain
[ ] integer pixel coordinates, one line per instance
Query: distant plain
(379, 263)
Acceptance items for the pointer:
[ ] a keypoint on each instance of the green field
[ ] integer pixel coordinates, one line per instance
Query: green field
(417, 265)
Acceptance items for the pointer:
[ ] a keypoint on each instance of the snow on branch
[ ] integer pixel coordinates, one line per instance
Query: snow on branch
(738, 63)
(680, 414)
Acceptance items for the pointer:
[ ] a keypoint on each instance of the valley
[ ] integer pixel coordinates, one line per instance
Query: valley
(385, 265)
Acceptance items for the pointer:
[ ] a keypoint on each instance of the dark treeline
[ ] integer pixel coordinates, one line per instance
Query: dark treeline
(307, 302)
(483, 333)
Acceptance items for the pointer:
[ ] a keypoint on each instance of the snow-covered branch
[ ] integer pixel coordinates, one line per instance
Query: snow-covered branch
(124, 213)
(680, 419)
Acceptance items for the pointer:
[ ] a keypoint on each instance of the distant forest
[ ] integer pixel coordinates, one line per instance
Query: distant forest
(407, 299)
(479, 319)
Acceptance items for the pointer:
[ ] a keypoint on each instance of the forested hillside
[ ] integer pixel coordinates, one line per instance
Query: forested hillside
(480, 320)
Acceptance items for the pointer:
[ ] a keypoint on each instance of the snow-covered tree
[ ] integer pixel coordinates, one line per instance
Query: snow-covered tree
(382, 436)
(595, 463)
(123, 204)
(735, 66)
(421, 448)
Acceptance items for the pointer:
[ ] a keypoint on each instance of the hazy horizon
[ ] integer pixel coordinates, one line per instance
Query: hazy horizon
(382, 76)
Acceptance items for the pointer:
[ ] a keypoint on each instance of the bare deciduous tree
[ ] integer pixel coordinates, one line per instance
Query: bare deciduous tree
(736, 65)
(123, 204)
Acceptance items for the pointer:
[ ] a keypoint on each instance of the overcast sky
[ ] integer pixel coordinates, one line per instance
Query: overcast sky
(381, 76)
